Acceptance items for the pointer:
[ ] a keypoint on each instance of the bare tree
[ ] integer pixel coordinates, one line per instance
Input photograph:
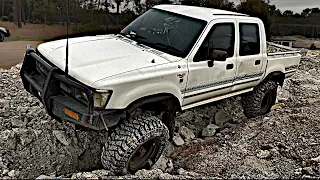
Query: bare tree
(15, 21)
(19, 13)
(3, 1)
(118, 2)
(98, 8)
(23, 15)
(44, 3)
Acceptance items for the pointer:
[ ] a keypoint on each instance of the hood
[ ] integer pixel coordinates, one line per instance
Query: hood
(98, 57)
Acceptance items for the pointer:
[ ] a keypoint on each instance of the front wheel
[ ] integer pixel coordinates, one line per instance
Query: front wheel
(260, 100)
(136, 144)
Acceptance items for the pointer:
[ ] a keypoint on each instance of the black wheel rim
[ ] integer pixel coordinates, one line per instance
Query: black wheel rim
(144, 156)
(267, 102)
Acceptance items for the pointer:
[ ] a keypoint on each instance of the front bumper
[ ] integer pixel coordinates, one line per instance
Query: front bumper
(42, 79)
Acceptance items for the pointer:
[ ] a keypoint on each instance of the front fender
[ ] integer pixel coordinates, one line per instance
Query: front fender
(124, 96)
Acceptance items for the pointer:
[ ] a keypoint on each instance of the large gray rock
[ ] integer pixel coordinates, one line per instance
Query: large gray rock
(5, 172)
(16, 122)
(210, 130)
(186, 133)
(308, 171)
(148, 174)
(8, 139)
(222, 117)
(177, 139)
(317, 159)
(263, 154)
(61, 136)
(13, 173)
(169, 149)
(97, 174)
(45, 177)
(164, 164)
(4, 103)
(183, 172)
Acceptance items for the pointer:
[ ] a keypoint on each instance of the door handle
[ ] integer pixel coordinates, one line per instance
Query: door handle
(229, 66)
(257, 62)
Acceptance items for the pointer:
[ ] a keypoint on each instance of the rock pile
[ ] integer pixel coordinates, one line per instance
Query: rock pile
(215, 140)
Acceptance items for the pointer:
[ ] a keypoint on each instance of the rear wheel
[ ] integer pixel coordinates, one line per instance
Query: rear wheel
(136, 144)
(260, 100)
(1, 37)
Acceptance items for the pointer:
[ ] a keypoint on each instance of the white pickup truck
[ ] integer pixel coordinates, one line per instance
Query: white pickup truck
(4, 33)
(171, 58)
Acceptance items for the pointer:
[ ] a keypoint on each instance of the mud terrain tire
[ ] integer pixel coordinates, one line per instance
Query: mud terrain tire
(1, 37)
(260, 100)
(135, 144)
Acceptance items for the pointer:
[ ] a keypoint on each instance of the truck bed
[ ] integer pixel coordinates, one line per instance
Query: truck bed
(284, 56)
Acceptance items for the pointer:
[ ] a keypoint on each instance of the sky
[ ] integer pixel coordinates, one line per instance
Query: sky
(294, 5)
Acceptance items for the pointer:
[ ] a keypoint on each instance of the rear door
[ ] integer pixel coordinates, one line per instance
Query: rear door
(250, 54)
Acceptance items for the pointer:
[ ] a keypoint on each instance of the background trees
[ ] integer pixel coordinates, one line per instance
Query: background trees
(112, 13)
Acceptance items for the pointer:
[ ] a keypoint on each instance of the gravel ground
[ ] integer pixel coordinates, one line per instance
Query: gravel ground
(283, 144)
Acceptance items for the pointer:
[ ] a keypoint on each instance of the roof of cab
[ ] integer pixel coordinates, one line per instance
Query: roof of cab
(203, 13)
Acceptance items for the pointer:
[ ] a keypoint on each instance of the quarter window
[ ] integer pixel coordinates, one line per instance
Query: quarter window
(221, 37)
(249, 39)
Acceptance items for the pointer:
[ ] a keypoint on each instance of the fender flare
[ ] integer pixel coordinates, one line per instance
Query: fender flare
(151, 99)
(276, 76)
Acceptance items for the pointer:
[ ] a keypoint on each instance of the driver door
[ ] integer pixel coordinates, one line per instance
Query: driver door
(209, 78)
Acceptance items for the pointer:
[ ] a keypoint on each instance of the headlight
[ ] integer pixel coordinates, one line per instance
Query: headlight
(100, 99)
(83, 96)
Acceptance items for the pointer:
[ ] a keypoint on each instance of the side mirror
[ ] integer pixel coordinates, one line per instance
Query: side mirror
(219, 55)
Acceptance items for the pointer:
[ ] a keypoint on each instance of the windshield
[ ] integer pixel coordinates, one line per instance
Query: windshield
(165, 31)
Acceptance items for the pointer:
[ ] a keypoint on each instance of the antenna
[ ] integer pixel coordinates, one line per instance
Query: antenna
(67, 46)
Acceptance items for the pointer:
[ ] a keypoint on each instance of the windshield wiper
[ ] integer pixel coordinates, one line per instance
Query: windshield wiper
(133, 35)
(167, 47)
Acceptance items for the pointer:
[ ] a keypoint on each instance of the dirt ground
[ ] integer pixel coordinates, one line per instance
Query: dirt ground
(34, 32)
(11, 53)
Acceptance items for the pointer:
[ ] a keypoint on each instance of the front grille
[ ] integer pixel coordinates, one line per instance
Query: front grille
(41, 69)
(74, 93)
(62, 86)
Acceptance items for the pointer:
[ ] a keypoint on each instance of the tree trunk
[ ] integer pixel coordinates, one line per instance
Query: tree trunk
(92, 10)
(62, 12)
(74, 4)
(107, 18)
(44, 12)
(98, 5)
(28, 14)
(23, 15)
(118, 6)
(19, 13)
(15, 21)
(3, 1)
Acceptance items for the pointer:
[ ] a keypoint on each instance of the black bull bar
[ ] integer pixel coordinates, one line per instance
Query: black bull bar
(42, 80)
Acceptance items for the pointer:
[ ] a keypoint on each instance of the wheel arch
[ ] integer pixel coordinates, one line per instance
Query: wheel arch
(155, 99)
(276, 76)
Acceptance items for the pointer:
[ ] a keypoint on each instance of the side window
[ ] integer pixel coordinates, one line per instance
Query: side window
(249, 39)
(221, 37)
